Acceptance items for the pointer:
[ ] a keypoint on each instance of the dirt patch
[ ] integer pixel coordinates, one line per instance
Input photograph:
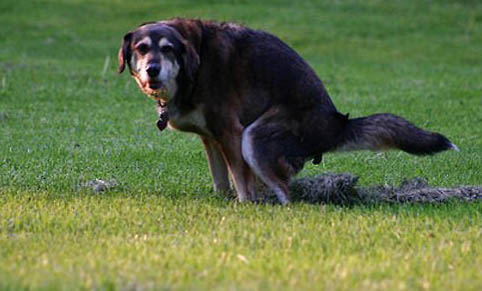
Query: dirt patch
(343, 189)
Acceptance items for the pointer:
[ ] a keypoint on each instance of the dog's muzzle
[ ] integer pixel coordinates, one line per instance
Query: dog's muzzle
(153, 71)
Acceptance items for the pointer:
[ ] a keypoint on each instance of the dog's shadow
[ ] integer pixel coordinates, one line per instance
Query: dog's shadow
(342, 189)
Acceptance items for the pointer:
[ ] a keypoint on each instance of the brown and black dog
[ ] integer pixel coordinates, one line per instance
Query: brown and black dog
(258, 107)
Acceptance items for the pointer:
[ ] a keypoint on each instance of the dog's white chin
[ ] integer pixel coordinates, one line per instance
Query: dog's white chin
(157, 94)
(160, 94)
(164, 93)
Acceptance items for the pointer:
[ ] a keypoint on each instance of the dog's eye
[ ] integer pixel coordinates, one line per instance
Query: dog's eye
(142, 48)
(166, 49)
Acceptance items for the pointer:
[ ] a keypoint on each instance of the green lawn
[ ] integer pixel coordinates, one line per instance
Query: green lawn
(66, 118)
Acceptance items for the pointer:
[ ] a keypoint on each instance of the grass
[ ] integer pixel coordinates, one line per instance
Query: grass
(67, 118)
(153, 241)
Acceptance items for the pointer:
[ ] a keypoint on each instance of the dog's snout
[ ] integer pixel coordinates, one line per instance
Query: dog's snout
(153, 70)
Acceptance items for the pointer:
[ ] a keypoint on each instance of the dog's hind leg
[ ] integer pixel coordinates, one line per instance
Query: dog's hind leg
(217, 164)
(266, 146)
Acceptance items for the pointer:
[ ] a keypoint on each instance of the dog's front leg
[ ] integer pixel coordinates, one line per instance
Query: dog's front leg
(241, 173)
(217, 164)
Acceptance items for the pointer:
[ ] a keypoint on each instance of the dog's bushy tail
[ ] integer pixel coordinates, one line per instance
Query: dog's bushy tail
(387, 131)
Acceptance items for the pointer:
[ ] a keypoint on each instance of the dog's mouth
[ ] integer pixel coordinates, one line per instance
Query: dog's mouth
(154, 85)
(156, 90)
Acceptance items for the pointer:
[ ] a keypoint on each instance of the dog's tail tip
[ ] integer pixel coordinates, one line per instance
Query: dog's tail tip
(454, 147)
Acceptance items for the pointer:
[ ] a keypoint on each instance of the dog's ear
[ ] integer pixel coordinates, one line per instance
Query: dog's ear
(191, 61)
(125, 52)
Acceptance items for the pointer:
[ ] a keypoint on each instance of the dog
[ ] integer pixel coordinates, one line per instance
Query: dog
(260, 110)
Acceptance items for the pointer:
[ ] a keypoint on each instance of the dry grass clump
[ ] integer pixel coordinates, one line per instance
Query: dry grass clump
(98, 185)
(342, 189)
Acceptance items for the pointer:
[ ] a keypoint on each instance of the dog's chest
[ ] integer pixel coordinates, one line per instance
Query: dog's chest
(192, 121)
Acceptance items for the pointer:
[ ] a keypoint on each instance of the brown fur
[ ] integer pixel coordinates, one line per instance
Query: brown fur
(259, 108)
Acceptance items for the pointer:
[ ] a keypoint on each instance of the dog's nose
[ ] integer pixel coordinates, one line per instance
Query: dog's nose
(153, 70)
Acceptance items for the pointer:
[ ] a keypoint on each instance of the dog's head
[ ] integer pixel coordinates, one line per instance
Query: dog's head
(158, 56)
